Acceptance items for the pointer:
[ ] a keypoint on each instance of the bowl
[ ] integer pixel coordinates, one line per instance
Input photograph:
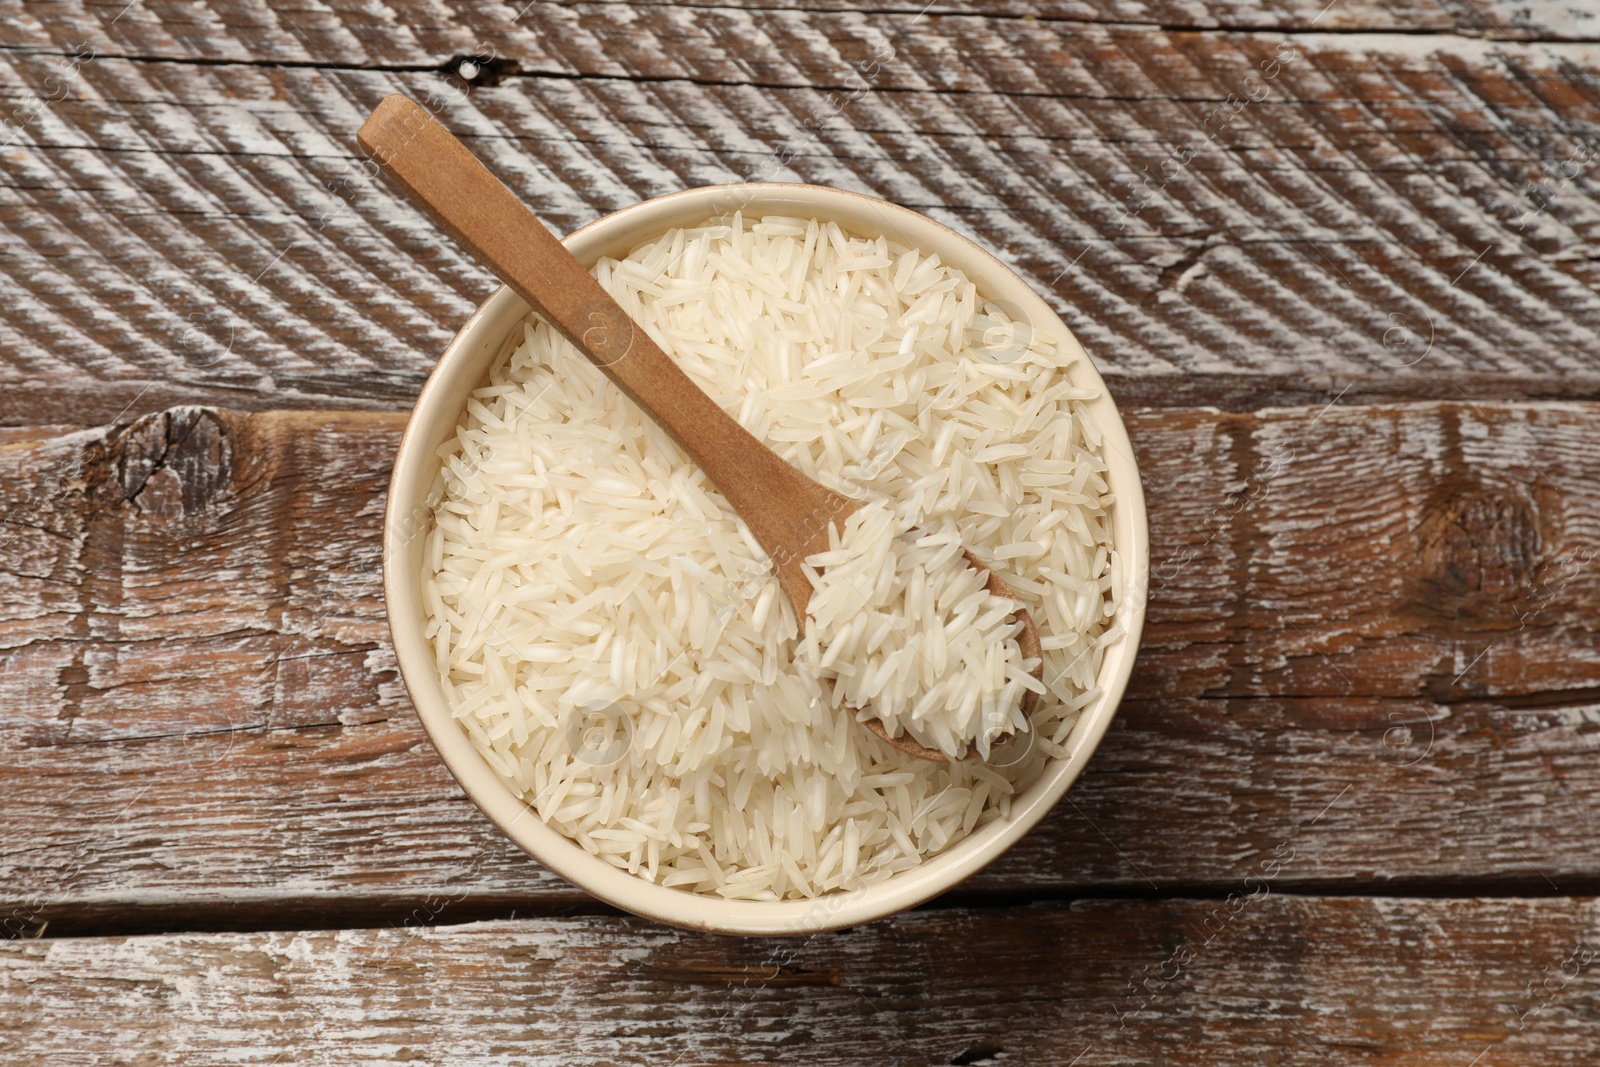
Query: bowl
(463, 366)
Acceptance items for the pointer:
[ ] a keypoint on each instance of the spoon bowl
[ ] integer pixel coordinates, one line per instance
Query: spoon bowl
(1028, 639)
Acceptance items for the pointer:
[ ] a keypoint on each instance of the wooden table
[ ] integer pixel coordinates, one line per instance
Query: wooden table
(1338, 262)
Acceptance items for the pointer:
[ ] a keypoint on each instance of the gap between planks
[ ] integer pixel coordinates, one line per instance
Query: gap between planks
(455, 905)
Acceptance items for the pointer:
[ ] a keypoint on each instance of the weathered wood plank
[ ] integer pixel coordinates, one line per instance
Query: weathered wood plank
(409, 32)
(1258, 978)
(1377, 621)
(1389, 208)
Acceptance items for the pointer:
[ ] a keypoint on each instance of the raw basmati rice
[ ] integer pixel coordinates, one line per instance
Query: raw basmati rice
(905, 630)
(612, 638)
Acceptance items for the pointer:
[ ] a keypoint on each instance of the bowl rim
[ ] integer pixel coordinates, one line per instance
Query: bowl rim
(479, 342)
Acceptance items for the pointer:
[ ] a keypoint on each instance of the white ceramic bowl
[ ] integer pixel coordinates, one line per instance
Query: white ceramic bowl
(462, 368)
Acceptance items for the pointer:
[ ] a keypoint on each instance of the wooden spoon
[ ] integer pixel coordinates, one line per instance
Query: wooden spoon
(788, 513)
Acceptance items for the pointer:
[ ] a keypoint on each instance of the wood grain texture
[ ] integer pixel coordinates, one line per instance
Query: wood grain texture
(1242, 216)
(1259, 978)
(1369, 629)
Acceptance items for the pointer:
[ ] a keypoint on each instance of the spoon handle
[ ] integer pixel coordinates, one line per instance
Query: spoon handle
(788, 513)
